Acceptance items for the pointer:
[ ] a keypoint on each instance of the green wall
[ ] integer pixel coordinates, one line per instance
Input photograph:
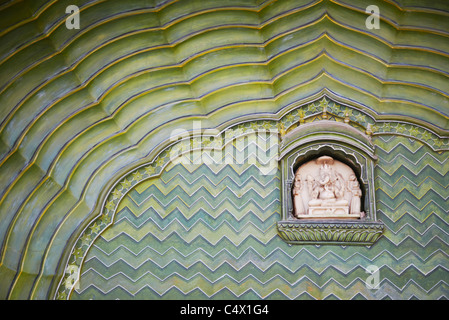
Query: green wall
(80, 109)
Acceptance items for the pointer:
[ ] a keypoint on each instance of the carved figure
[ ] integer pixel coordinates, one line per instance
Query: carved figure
(330, 189)
(298, 201)
(310, 183)
(339, 186)
(356, 194)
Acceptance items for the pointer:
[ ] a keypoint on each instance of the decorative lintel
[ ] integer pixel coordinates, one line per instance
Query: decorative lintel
(361, 233)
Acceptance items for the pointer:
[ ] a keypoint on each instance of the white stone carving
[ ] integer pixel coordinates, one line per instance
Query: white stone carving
(325, 188)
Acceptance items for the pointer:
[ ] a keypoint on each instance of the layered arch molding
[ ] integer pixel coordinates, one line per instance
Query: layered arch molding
(80, 108)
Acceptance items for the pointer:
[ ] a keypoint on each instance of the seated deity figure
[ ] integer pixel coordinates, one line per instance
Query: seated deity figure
(330, 189)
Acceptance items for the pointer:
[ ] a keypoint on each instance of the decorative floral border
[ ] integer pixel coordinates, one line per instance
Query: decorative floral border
(326, 109)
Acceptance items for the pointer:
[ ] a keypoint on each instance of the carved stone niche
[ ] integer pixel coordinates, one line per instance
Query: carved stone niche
(328, 190)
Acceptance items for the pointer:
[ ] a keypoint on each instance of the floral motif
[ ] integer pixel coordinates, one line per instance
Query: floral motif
(150, 170)
(414, 131)
(400, 128)
(331, 233)
(426, 135)
(137, 176)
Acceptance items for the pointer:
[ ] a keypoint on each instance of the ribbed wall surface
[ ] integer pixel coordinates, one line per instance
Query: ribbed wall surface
(78, 107)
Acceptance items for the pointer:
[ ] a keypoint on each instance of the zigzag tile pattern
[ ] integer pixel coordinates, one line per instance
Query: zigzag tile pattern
(163, 246)
(80, 107)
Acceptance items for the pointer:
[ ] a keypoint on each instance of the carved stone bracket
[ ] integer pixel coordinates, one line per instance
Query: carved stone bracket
(330, 232)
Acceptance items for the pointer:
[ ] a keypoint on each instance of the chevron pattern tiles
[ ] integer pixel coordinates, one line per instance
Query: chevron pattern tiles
(412, 200)
(201, 232)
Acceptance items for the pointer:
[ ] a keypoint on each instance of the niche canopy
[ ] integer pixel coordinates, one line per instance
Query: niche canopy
(328, 185)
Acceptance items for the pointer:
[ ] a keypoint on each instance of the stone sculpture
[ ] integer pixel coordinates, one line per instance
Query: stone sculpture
(331, 191)
(353, 186)
(298, 200)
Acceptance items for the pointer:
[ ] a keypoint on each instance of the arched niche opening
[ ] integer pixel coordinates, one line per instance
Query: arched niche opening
(354, 150)
(353, 167)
